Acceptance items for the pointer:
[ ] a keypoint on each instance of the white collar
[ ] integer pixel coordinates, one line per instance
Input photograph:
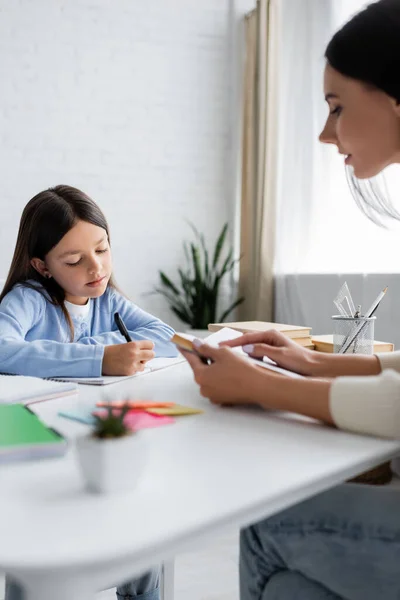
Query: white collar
(79, 311)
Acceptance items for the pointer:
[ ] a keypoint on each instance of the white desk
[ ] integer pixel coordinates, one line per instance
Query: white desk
(205, 474)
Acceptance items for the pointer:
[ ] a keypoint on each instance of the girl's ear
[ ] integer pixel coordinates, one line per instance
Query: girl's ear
(40, 267)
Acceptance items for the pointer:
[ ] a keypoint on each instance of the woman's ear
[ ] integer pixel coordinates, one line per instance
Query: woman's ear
(396, 106)
(40, 267)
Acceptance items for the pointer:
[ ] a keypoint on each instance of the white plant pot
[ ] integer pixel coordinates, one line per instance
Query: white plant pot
(112, 465)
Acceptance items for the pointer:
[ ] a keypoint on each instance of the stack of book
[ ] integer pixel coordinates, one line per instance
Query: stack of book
(298, 333)
(324, 343)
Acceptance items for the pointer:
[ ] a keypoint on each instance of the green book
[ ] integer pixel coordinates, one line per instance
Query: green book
(23, 436)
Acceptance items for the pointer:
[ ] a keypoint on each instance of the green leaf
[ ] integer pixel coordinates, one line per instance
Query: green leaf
(184, 277)
(219, 245)
(196, 264)
(186, 284)
(224, 270)
(173, 301)
(168, 283)
(167, 295)
(229, 267)
(194, 229)
(193, 299)
(230, 309)
(111, 425)
(206, 267)
(183, 316)
(186, 251)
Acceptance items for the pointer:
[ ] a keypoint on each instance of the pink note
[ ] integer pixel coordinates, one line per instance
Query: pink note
(144, 420)
(141, 419)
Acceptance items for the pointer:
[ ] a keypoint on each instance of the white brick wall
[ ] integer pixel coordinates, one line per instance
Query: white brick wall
(128, 100)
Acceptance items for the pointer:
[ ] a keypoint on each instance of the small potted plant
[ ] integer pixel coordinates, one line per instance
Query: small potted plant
(112, 457)
(195, 297)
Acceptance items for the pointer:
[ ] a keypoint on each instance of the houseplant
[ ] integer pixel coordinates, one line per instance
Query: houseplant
(195, 297)
(111, 457)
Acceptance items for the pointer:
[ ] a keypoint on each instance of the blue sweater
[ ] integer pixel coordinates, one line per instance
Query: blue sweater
(35, 337)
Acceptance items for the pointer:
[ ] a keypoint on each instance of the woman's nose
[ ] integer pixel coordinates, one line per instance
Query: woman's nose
(328, 134)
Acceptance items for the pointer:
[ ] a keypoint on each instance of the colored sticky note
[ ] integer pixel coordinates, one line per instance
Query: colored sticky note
(176, 410)
(142, 404)
(141, 419)
(82, 416)
(145, 420)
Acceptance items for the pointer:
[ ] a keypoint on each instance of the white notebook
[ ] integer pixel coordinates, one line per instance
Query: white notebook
(103, 380)
(17, 389)
(153, 365)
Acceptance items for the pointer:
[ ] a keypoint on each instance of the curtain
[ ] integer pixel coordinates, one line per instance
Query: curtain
(303, 162)
(259, 142)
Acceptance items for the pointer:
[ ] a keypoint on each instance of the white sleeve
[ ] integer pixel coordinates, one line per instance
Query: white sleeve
(368, 405)
(389, 360)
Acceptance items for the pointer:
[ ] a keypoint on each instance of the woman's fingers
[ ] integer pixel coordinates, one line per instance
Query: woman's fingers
(247, 338)
(270, 337)
(260, 350)
(209, 351)
(194, 361)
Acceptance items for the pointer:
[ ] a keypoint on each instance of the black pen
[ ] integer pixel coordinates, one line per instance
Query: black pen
(121, 326)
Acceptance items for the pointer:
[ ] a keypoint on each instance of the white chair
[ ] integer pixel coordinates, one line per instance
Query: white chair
(167, 580)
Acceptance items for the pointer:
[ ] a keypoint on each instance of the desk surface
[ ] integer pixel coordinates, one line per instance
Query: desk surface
(206, 473)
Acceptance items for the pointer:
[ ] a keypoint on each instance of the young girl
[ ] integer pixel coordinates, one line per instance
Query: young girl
(345, 543)
(57, 312)
(58, 303)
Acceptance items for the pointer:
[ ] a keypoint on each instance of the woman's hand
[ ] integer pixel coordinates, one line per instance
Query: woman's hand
(229, 379)
(279, 348)
(127, 359)
(290, 355)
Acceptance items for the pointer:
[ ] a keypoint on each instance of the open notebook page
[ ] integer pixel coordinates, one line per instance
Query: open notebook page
(17, 389)
(153, 365)
(102, 380)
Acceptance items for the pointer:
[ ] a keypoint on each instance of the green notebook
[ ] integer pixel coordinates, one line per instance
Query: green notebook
(23, 436)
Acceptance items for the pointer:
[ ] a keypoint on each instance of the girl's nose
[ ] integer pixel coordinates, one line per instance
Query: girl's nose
(95, 265)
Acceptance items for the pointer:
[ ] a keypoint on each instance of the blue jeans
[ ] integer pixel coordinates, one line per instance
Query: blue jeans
(146, 587)
(340, 545)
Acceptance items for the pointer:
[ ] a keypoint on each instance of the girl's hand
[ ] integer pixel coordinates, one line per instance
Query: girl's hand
(127, 359)
(229, 379)
(279, 348)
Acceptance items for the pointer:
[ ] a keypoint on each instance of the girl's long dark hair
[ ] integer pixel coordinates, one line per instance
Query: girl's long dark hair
(367, 48)
(44, 222)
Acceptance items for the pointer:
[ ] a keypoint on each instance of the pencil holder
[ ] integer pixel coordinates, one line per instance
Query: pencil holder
(344, 328)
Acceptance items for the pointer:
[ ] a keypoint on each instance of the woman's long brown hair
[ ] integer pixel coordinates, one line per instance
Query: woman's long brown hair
(44, 222)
